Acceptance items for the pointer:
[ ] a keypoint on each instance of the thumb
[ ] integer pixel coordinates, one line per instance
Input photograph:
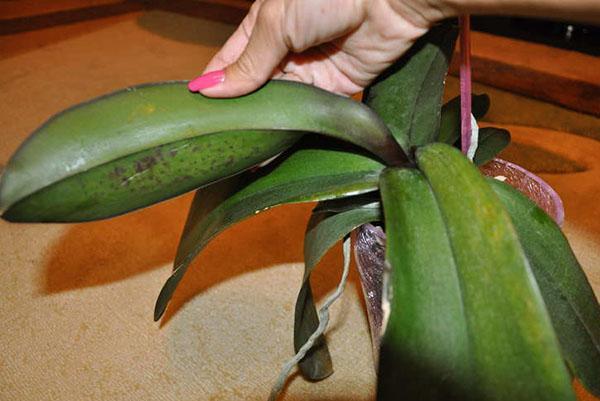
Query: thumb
(264, 52)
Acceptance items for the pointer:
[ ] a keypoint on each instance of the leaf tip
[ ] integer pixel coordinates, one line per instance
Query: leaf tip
(161, 303)
(159, 310)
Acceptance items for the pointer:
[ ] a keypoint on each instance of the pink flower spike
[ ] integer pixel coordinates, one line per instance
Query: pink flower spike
(465, 83)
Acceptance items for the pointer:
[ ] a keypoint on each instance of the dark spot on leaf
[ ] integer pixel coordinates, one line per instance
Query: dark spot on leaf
(117, 172)
(158, 154)
(146, 163)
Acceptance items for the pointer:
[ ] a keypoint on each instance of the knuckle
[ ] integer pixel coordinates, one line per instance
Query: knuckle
(296, 31)
(269, 13)
(255, 8)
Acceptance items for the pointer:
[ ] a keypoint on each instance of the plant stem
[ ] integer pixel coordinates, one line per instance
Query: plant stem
(465, 83)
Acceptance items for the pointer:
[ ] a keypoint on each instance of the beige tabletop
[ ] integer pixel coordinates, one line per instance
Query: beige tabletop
(76, 306)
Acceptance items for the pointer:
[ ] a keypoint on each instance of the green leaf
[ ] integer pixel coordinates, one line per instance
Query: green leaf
(324, 230)
(339, 205)
(450, 120)
(570, 300)
(149, 176)
(408, 95)
(205, 201)
(136, 123)
(491, 142)
(307, 174)
(515, 354)
(425, 350)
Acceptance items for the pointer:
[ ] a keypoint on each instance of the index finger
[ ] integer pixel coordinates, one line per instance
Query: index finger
(237, 42)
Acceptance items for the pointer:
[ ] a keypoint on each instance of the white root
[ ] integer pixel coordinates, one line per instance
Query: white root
(323, 321)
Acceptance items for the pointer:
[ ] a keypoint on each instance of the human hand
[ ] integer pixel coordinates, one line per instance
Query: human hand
(338, 45)
(342, 45)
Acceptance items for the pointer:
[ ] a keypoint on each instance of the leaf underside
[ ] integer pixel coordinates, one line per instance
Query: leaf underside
(140, 124)
(149, 176)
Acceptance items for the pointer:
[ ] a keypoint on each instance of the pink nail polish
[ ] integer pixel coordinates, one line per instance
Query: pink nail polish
(206, 80)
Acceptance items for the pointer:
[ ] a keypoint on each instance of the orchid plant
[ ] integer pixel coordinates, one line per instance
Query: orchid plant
(478, 294)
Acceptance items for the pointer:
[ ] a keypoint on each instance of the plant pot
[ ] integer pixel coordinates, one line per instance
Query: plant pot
(369, 251)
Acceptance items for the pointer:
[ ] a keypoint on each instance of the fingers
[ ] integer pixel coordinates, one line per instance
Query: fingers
(230, 51)
(272, 29)
(262, 54)
(236, 43)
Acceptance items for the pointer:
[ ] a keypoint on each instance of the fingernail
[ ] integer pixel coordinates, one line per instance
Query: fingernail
(207, 80)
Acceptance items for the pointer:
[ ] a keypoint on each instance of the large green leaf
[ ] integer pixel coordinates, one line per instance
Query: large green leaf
(324, 230)
(450, 119)
(308, 174)
(408, 95)
(569, 297)
(425, 350)
(515, 354)
(149, 176)
(138, 125)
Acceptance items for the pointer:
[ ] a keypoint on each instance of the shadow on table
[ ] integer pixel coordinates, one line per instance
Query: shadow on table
(97, 253)
(100, 253)
(271, 238)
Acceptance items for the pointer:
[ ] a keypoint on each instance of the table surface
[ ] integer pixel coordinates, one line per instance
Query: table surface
(76, 310)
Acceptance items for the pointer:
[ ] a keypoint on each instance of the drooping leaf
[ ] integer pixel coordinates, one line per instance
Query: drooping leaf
(491, 142)
(307, 174)
(408, 95)
(138, 125)
(323, 316)
(450, 119)
(515, 353)
(324, 230)
(425, 351)
(570, 300)
(205, 201)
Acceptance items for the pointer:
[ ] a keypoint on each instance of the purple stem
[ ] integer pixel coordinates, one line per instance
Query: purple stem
(465, 83)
